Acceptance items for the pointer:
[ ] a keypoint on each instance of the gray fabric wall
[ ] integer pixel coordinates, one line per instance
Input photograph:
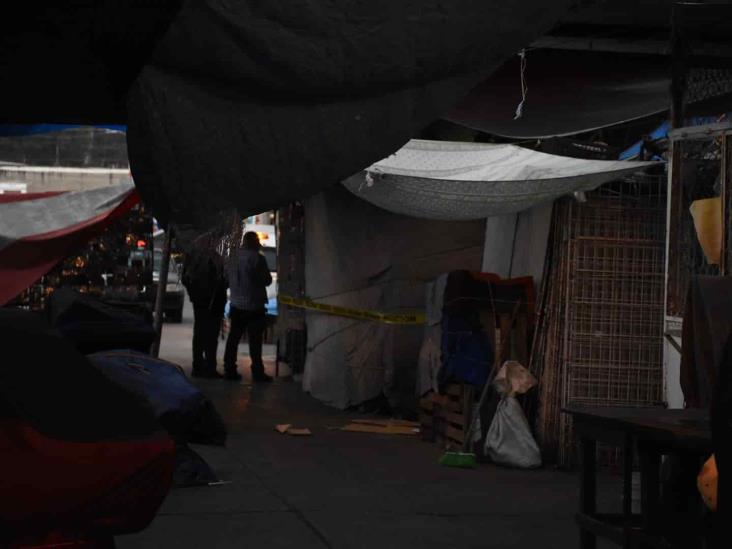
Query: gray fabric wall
(360, 256)
(248, 105)
(515, 245)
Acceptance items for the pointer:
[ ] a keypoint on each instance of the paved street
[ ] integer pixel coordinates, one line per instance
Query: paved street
(346, 490)
(175, 346)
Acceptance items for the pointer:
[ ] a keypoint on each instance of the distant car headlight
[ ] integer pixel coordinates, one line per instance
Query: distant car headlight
(171, 288)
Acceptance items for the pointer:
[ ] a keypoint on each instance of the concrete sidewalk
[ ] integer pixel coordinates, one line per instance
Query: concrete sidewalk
(348, 490)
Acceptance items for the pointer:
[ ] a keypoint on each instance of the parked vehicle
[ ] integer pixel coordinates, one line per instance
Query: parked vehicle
(175, 293)
(268, 238)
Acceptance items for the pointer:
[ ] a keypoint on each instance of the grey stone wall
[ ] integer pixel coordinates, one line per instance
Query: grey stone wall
(69, 160)
(84, 147)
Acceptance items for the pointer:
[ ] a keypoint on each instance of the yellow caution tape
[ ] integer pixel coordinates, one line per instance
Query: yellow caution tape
(387, 318)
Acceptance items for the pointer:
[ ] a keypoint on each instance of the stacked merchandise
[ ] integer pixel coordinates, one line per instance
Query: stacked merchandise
(599, 338)
(475, 321)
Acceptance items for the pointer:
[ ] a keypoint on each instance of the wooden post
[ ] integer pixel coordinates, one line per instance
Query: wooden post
(628, 478)
(588, 490)
(160, 293)
(678, 68)
(650, 461)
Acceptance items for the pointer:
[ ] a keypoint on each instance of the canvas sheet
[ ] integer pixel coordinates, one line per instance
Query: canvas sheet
(450, 180)
(362, 257)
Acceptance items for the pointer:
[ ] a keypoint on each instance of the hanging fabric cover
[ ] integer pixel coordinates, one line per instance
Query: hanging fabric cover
(38, 230)
(77, 449)
(249, 105)
(459, 181)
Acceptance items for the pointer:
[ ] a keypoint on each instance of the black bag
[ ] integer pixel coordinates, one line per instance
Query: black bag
(200, 277)
(92, 325)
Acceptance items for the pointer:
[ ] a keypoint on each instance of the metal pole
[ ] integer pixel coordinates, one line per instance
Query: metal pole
(678, 67)
(160, 293)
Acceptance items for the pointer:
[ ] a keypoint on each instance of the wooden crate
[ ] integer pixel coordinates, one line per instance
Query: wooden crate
(446, 418)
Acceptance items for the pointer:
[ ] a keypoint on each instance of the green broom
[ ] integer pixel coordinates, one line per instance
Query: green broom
(467, 459)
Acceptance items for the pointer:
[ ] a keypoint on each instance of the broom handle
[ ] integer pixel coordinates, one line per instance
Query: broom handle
(474, 420)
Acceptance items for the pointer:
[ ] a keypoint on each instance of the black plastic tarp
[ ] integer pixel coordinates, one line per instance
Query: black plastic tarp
(92, 325)
(48, 383)
(249, 105)
(180, 407)
(75, 446)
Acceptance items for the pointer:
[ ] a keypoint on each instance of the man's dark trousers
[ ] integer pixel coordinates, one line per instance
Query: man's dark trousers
(254, 323)
(206, 327)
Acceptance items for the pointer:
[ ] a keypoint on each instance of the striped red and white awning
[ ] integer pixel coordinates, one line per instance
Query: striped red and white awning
(38, 230)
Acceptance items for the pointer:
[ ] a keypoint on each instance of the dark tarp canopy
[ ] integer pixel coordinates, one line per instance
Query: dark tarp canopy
(248, 105)
(571, 92)
(72, 61)
(300, 95)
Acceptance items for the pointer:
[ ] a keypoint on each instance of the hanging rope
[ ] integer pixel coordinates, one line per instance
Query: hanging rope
(524, 88)
(368, 180)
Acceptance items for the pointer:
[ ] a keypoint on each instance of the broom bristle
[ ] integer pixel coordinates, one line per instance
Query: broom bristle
(458, 459)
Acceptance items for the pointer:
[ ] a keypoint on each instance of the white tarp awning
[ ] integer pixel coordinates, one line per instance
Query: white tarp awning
(456, 180)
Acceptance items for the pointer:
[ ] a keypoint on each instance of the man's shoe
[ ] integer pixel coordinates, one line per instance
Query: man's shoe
(198, 373)
(232, 376)
(262, 378)
(213, 374)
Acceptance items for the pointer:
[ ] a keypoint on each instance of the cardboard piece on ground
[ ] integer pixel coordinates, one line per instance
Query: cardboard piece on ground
(387, 422)
(219, 483)
(288, 429)
(381, 429)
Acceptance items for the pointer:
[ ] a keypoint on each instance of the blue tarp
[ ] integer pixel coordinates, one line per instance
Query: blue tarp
(659, 133)
(662, 131)
(180, 407)
(467, 354)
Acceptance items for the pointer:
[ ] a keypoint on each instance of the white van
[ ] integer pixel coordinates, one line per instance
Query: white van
(268, 238)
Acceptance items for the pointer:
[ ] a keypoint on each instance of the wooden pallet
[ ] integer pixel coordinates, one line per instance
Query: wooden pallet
(446, 418)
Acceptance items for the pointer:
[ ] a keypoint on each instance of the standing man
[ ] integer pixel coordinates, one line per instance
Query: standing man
(248, 279)
(203, 277)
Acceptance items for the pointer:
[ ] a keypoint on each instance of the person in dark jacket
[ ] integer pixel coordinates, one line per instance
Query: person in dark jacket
(204, 279)
(249, 277)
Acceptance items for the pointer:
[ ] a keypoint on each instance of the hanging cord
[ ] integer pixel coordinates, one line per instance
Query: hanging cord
(524, 87)
(368, 180)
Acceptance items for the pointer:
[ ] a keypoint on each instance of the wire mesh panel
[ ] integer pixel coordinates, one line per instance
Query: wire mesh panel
(615, 296)
(600, 336)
